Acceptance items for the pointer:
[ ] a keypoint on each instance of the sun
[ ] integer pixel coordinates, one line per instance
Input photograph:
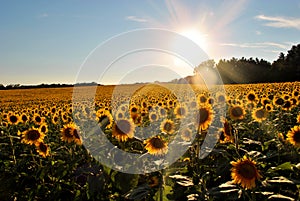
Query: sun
(196, 36)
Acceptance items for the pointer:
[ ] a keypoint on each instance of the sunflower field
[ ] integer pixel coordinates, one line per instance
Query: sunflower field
(240, 143)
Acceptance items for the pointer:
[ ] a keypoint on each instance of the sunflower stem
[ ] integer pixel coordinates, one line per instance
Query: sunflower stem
(161, 187)
(13, 150)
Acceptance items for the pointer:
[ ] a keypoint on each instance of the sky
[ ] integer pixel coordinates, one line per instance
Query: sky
(59, 41)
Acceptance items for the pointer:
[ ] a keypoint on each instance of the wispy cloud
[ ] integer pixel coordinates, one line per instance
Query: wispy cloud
(136, 19)
(43, 15)
(257, 45)
(280, 22)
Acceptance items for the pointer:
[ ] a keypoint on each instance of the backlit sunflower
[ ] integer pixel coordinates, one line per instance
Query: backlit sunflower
(13, 118)
(68, 132)
(180, 111)
(226, 134)
(167, 126)
(204, 117)
(259, 114)
(32, 136)
(37, 119)
(123, 129)
(105, 119)
(42, 149)
(293, 136)
(186, 134)
(244, 172)
(236, 112)
(156, 146)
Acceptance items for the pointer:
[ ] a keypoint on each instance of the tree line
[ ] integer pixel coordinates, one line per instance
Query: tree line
(243, 71)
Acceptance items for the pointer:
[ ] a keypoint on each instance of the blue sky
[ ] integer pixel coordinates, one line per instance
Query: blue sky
(48, 41)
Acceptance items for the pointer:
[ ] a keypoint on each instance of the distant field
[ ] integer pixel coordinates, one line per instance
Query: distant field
(256, 155)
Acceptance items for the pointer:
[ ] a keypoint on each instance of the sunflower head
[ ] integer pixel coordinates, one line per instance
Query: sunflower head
(298, 118)
(180, 111)
(204, 117)
(13, 119)
(293, 136)
(167, 126)
(236, 112)
(123, 129)
(156, 146)
(32, 136)
(42, 149)
(245, 172)
(186, 134)
(259, 114)
(68, 132)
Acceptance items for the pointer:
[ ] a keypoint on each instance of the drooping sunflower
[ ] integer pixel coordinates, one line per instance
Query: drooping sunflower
(156, 146)
(259, 114)
(236, 112)
(32, 136)
(123, 129)
(204, 117)
(226, 134)
(245, 172)
(42, 149)
(68, 132)
(167, 126)
(180, 111)
(13, 118)
(293, 136)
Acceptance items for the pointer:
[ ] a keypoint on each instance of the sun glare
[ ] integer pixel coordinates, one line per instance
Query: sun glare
(196, 36)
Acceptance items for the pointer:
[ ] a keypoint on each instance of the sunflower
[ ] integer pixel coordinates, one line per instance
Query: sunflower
(298, 118)
(293, 136)
(167, 126)
(43, 128)
(259, 114)
(24, 118)
(204, 117)
(226, 133)
(269, 107)
(244, 172)
(153, 116)
(32, 136)
(186, 134)
(42, 149)
(202, 99)
(68, 132)
(55, 119)
(123, 129)
(156, 146)
(153, 181)
(105, 119)
(37, 119)
(180, 111)
(251, 96)
(13, 119)
(236, 112)
(77, 139)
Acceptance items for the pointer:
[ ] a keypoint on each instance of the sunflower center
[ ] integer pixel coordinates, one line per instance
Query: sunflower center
(43, 147)
(157, 143)
(168, 126)
(33, 135)
(43, 129)
(13, 119)
(279, 101)
(24, 118)
(237, 112)
(38, 119)
(203, 115)
(297, 137)
(123, 127)
(68, 132)
(247, 171)
(260, 114)
(251, 97)
(181, 111)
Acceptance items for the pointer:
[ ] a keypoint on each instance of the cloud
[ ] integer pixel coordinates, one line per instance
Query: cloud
(43, 15)
(280, 22)
(257, 45)
(136, 19)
